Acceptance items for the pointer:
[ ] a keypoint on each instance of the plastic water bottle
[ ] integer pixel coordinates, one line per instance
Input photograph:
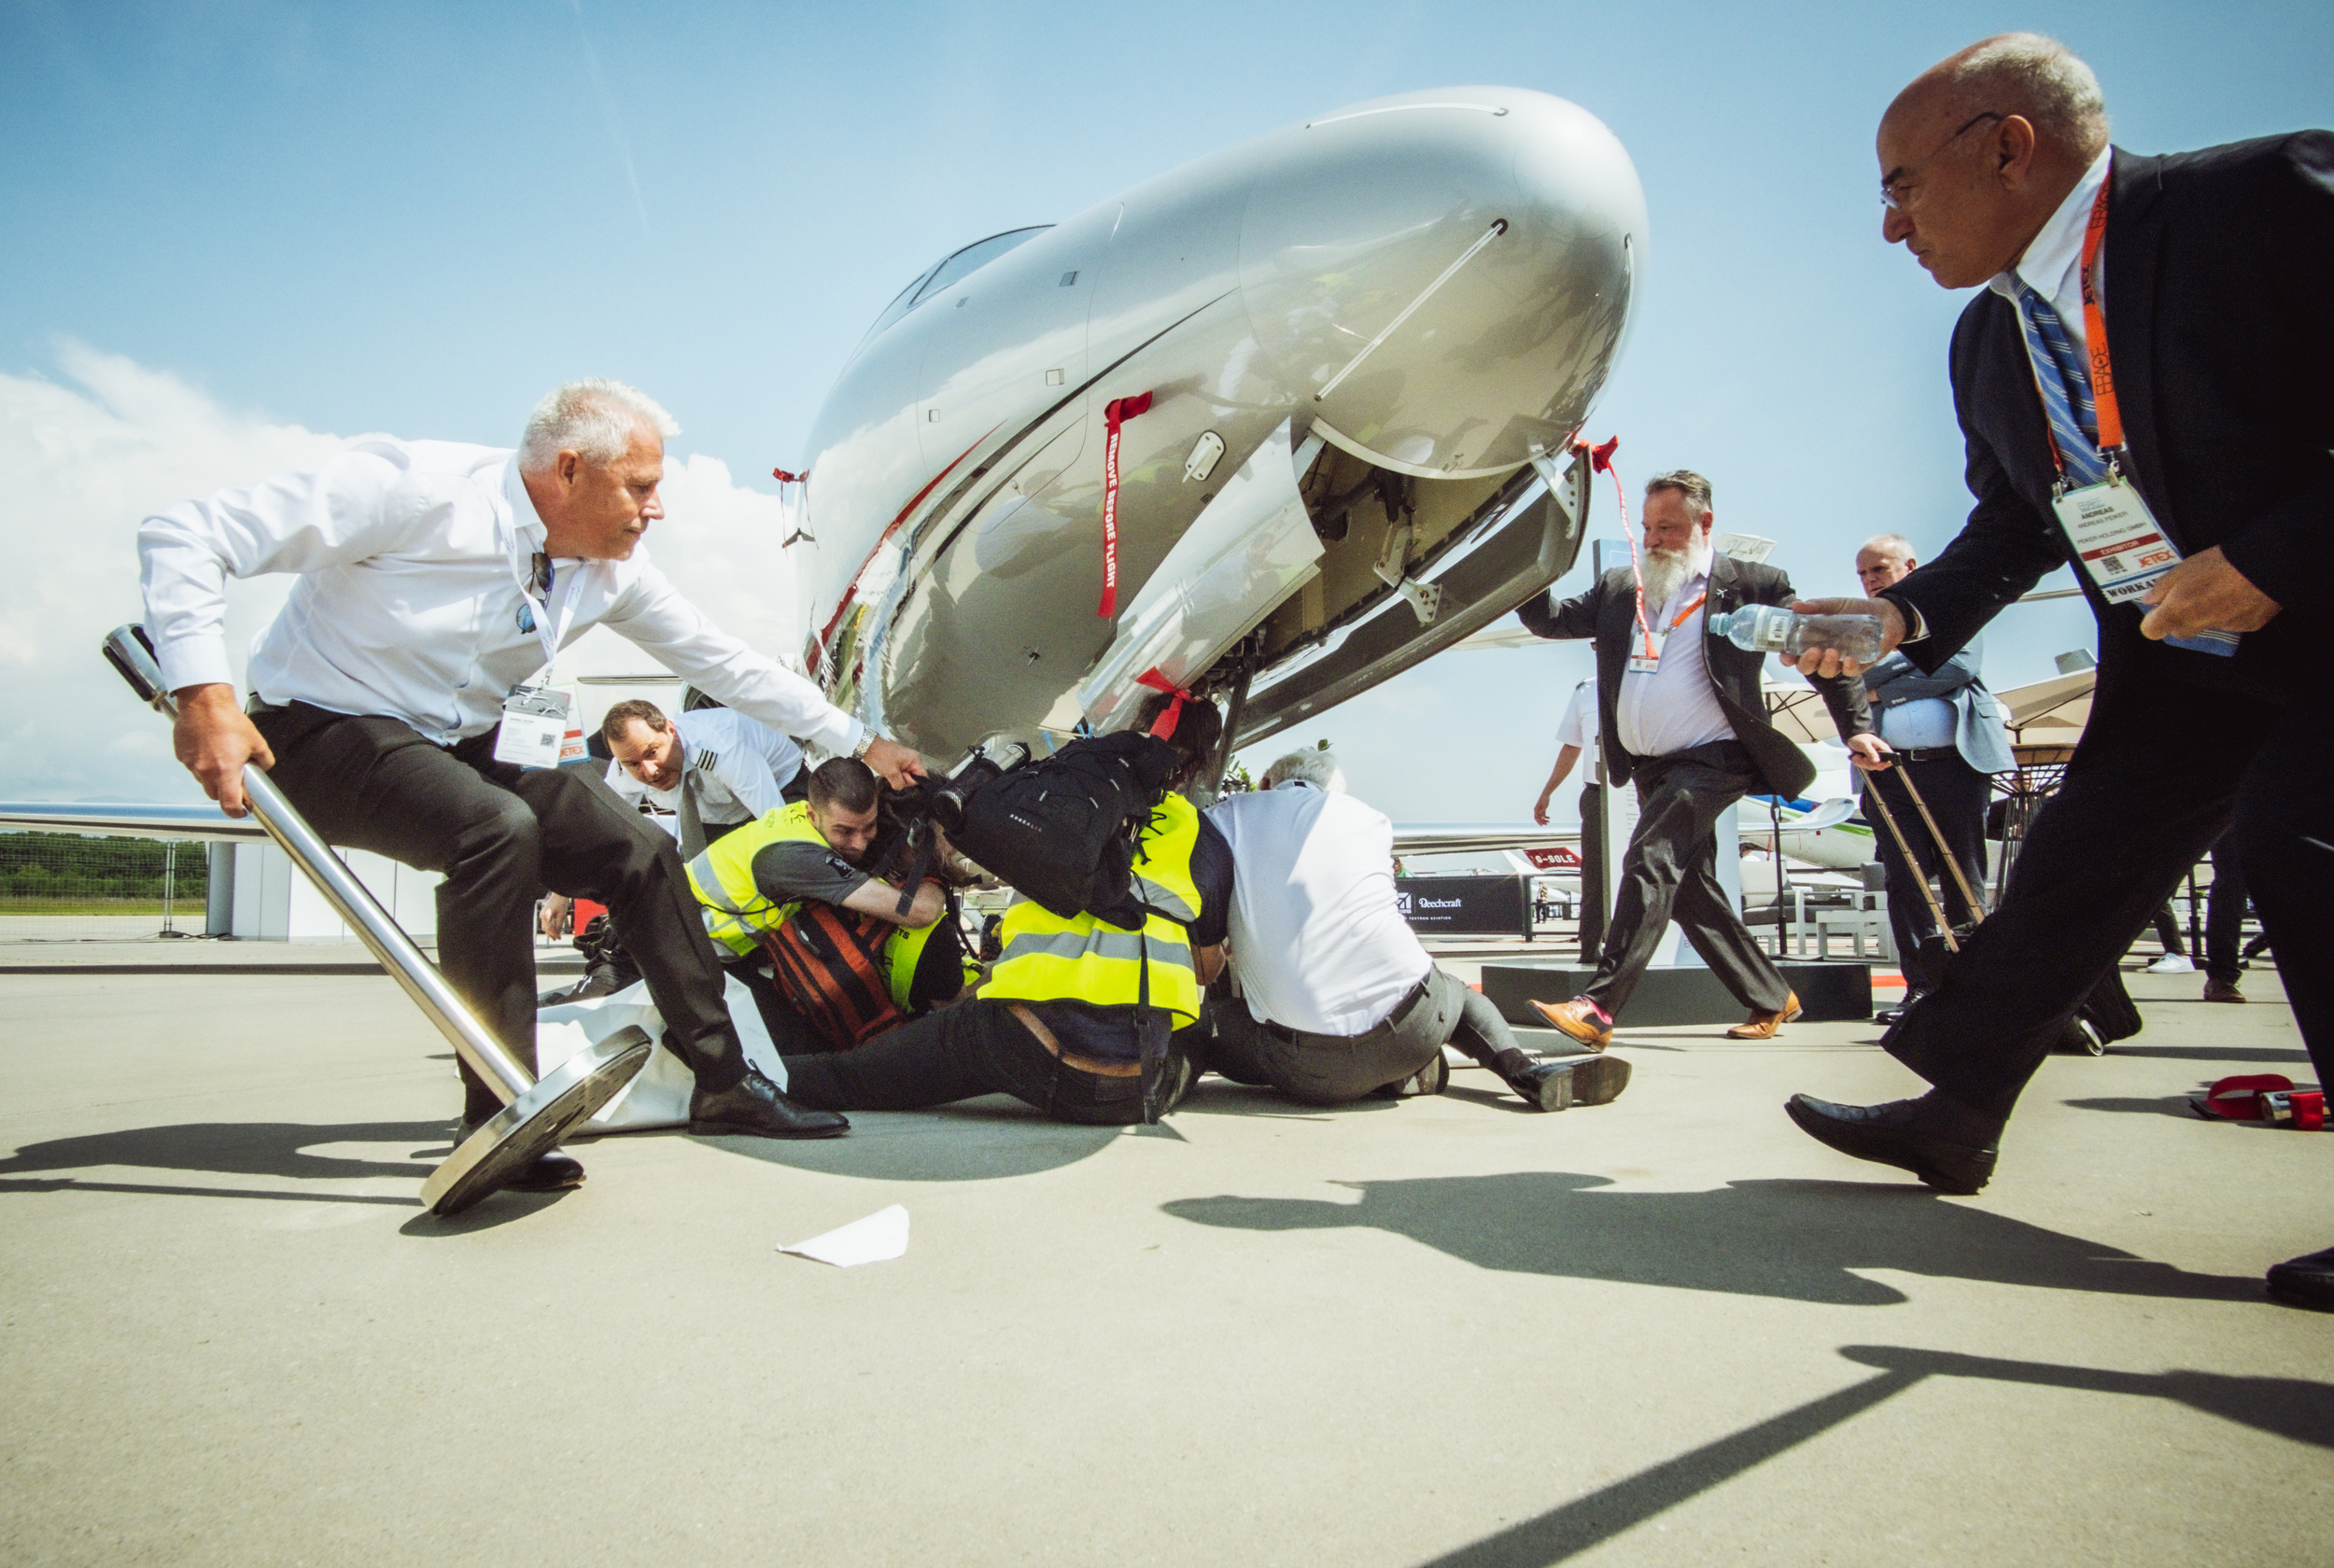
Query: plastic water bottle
(1773, 629)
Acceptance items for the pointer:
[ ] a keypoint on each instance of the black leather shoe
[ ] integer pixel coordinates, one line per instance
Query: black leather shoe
(1945, 1143)
(753, 1107)
(1559, 1085)
(1896, 1014)
(600, 981)
(549, 1171)
(2307, 1282)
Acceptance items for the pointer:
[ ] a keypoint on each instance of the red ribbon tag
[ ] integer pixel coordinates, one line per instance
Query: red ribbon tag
(784, 478)
(1165, 728)
(1115, 414)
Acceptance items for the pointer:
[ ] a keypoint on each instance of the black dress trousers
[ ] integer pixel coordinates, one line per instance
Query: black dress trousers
(1670, 872)
(501, 835)
(1957, 796)
(2224, 912)
(2153, 783)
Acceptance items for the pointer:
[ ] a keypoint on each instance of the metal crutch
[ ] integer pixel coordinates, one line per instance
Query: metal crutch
(535, 1114)
(1935, 910)
(1945, 853)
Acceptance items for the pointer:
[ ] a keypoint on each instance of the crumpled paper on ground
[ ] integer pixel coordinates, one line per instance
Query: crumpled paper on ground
(879, 1237)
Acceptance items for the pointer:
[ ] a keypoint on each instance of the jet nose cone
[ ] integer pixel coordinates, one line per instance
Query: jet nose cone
(1444, 276)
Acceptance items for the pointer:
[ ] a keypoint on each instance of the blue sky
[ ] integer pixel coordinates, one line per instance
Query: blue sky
(417, 218)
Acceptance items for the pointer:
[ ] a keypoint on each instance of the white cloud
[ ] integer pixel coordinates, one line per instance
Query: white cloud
(91, 456)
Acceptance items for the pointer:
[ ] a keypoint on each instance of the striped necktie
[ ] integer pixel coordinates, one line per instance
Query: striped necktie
(2065, 385)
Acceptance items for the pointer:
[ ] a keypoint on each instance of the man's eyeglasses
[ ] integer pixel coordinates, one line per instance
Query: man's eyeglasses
(1896, 194)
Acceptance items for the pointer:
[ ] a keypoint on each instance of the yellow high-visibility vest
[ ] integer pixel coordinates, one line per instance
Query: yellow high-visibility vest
(723, 877)
(901, 952)
(1048, 958)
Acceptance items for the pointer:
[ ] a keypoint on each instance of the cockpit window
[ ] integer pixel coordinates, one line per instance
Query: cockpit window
(956, 265)
(973, 257)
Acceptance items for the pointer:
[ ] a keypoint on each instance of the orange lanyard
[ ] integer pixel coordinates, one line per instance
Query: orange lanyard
(2095, 328)
(1673, 625)
(2105, 407)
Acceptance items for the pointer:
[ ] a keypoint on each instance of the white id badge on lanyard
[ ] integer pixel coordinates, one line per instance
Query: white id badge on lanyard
(1646, 657)
(2116, 538)
(534, 727)
(535, 732)
(2119, 544)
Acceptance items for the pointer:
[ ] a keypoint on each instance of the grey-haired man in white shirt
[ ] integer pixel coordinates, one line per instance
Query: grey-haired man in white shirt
(435, 581)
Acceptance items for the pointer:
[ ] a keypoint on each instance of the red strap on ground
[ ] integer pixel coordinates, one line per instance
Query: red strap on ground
(1115, 414)
(1165, 728)
(2239, 1098)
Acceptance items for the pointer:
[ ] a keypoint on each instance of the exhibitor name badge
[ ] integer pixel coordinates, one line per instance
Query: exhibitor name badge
(534, 727)
(2116, 538)
(2119, 542)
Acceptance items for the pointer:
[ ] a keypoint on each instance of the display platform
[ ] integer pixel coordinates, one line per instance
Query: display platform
(1830, 992)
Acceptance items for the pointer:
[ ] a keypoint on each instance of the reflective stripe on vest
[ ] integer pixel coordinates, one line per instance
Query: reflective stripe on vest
(1048, 958)
(723, 877)
(901, 952)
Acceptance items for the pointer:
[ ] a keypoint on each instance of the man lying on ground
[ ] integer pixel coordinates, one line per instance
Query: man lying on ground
(1055, 1025)
(1340, 1001)
(755, 881)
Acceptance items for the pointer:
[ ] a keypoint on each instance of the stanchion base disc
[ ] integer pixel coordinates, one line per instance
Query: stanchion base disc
(536, 1120)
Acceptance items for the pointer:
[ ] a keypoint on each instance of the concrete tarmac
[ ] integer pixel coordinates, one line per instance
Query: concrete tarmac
(1671, 1330)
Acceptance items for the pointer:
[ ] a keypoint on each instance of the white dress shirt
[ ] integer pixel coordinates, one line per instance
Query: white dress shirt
(1317, 940)
(1675, 707)
(1577, 727)
(408, 604)
(2052, 263)
(740, 767)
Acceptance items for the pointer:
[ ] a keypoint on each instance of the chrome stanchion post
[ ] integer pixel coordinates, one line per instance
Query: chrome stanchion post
(353, 903)
(535, 1114)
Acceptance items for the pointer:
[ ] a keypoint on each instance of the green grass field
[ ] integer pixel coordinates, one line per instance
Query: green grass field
(57, 907)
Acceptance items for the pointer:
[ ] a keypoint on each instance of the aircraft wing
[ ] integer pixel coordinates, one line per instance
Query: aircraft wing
(1479, 838)
(203, 821)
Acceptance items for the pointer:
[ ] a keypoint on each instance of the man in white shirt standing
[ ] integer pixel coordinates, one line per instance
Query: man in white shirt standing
(1576, 737)
(1340, 1001)
(1682, 718)
(435, 581)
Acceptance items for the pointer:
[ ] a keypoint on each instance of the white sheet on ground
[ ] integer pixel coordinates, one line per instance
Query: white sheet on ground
(879, 1237)
(659, 1097)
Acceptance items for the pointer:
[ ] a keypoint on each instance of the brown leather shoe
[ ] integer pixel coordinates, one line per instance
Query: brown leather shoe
(1766, 1026)
(1577, 1019)
(2222, 990)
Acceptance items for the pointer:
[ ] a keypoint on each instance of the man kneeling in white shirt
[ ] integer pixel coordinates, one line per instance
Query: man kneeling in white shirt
(1342, 1001)
(435, 580)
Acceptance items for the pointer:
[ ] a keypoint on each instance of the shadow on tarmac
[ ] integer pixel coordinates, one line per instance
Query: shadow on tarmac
(2288, 1407)
(972, 1140)
(228, 1149)
(2211, 1053)
(2168, 1105)
(1796, 1241)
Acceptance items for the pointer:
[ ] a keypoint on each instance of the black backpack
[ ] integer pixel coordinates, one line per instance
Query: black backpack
(1061, 832)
